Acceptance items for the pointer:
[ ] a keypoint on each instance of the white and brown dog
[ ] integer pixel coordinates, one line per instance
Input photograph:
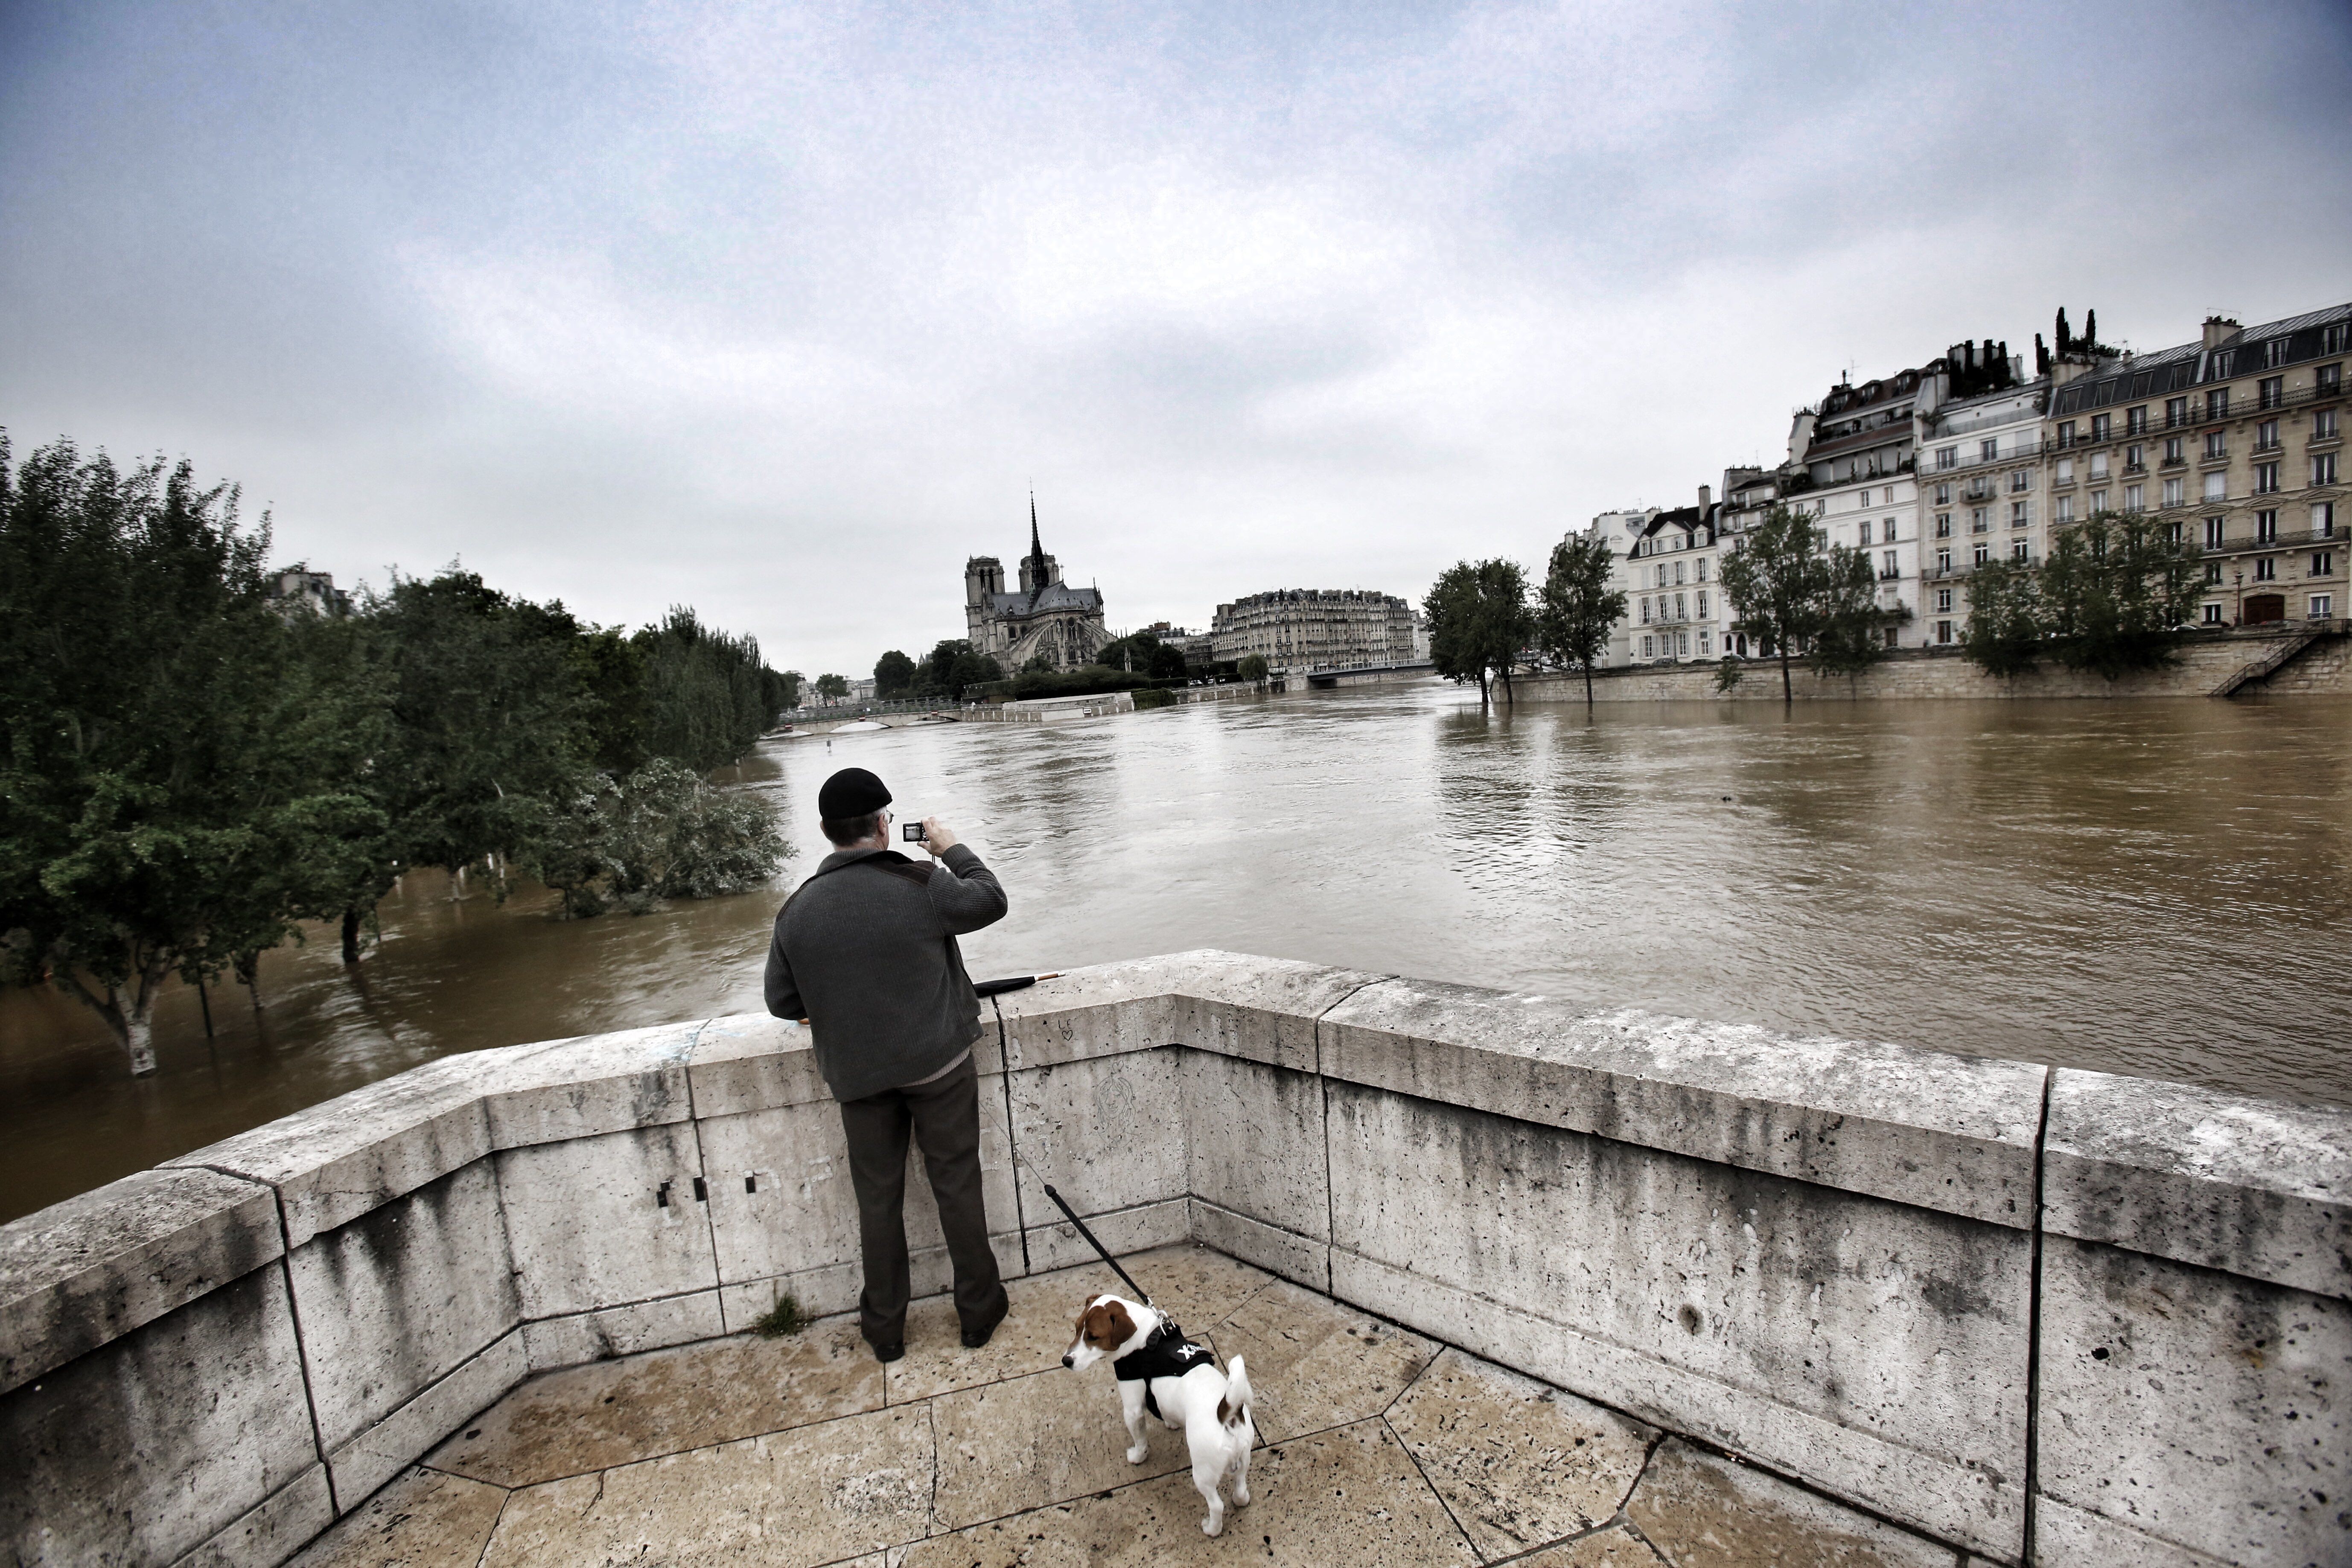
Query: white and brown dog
(1161, 1371)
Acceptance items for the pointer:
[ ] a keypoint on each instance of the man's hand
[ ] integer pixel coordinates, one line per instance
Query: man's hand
(938, 837)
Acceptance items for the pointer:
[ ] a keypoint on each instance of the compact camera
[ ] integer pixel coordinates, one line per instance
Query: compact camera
(912, 832)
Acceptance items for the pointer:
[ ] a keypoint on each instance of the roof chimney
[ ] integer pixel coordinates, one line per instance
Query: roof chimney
(1706, 498)
(2219, 329)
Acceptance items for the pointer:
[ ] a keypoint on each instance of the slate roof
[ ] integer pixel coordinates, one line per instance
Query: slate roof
(1051, 598)
(2188, 365)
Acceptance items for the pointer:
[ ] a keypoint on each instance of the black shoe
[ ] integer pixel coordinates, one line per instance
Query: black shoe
(891, 1352)
(974, 1338)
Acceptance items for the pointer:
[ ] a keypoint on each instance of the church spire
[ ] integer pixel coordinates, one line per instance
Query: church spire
(1037, 550)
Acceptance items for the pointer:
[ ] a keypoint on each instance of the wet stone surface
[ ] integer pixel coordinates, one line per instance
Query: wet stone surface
(802, 1451)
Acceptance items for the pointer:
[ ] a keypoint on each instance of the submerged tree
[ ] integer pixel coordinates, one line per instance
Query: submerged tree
(663, 832)
(2118, 592)
(1578, 607)
(894, 675)
(1775, 578)
(2004, 635)
(1849, 625)
(1478, 621)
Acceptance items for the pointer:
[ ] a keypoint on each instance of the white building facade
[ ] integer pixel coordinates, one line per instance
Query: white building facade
(1303, 629)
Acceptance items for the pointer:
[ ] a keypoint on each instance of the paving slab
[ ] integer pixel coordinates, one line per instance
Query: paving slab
(1013, 1446)
(1518, 1462)
(424, 1519)
(1316, 1363)
(1350, 1496)
(592, 1417)
(1704, 1512)
(816, 1494)
(1616, 1547)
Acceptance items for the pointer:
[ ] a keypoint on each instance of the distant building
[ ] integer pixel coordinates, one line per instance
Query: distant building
(299, 587)
(1045, 620)
(1671, 576)
(1980, 469)
(1318, 628)
(1198, 649)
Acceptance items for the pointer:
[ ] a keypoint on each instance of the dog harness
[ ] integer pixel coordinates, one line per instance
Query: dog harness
(1166, 1353)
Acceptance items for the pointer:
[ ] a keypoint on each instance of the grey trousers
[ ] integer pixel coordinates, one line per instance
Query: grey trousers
(944, 1118)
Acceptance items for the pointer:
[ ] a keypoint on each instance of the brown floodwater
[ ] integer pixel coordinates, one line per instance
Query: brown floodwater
(2157, 888)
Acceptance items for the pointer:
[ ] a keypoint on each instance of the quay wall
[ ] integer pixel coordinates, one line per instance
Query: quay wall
(2039, 1315)
(2323, 668)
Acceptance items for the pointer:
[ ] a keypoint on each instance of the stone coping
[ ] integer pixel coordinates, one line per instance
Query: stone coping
(2252, 1187)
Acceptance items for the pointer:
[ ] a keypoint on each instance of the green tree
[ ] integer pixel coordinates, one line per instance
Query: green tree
(1849, 627)
(894, 675)
(832, 688)
(662, 832)
(1578, 607)
(2117, 593)
(1252, 667)
(163, 780)
(1478, 621)
(1776, 577)
(2005, 635)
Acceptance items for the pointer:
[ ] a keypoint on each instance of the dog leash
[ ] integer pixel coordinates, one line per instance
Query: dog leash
(1101, 1251)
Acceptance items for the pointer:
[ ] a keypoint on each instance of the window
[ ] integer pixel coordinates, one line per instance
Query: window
(1943, 495)
(2331, 339)
(2020, 513)
(2177, 532)
(1983, 553)
(2212, 533)
(1886, 531)
(1702, 568)
(2135, 420)
(2265, 527)
(2323, 564)
(2266, 435)
(2271, 391)
(2322, 425)
(1944, 601)
(2017, 550)
(2213, 615)
(1683, 649)
(2066, 433)
(2022, 480)
(1862, 530)
(2322, 606)
(2172, 450)
(1649, 648)
(1943, 563)
(2266, 569)
(2098, 465)
(2323, 519)
(2213, 572)
(1645, 611)
(1679, 571)
(2176, 412)
(1987, 450)
(2065, 512)
(2215, 446)
(2223, 364)
(2098, 501)
(1662, 574)
(2266, 481)
(1980, 520)
(1682, 608)
(2274, 353)
(1702, 603)
(2217, 402)
(1943, 525)
(2323, 468)
(1704, 646)
(2135, 459)
(2132, 497)
(1890, 567)
(2174, 493)
(2065, 470)
(2217, 487)
(2329, 380)
(1944, 632)
(2102, 427)
(1947, 457)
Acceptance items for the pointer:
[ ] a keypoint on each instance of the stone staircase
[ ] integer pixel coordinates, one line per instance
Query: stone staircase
(2283, 653)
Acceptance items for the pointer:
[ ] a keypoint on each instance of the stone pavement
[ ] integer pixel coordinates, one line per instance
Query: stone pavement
(1380, 1448)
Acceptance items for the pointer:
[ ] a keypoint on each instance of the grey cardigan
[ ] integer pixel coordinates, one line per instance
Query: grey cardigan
(866, 951)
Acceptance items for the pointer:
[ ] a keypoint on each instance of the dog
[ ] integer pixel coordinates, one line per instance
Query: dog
(1179, 1382)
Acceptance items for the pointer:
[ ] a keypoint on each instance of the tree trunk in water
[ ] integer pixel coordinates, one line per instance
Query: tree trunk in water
(351, 934)
(1588, 683)
(1787, 694)
(138, 1039)
(458, 885)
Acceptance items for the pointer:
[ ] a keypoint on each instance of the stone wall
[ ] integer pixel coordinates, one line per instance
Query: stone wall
(1993, 1301)
(2323, 667)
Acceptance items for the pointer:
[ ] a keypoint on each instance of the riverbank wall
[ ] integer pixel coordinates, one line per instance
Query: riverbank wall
(2323, 665)
(2037, 1315)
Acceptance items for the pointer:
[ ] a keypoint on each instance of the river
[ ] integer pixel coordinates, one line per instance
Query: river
(2154, 887)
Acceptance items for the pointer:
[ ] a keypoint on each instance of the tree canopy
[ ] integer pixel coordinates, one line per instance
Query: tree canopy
(1478, 621)
(1577, 606)
(1777, 578)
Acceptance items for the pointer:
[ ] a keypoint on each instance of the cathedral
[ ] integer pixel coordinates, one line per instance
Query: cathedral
(1046, 619)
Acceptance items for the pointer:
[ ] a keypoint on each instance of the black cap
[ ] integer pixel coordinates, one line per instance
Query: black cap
(852, 792)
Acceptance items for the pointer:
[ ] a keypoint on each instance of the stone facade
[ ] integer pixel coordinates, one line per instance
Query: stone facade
(1302, 630)
(1046, 620)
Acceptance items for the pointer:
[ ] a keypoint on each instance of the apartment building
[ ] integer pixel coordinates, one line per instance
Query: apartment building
(1670, 574)
(2236, 440)
(1981, 473)
(1318, 628)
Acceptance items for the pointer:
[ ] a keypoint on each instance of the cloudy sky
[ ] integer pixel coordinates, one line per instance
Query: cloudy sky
(780, 311)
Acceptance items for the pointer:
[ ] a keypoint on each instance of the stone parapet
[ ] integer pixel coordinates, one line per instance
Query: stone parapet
(2016, 1309)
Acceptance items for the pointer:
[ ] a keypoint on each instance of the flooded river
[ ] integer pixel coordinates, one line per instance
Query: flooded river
(2157, 888)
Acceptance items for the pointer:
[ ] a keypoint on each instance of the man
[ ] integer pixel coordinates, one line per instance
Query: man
(866, 952)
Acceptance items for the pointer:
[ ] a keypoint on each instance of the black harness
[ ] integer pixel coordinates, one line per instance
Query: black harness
(1166, 1353)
